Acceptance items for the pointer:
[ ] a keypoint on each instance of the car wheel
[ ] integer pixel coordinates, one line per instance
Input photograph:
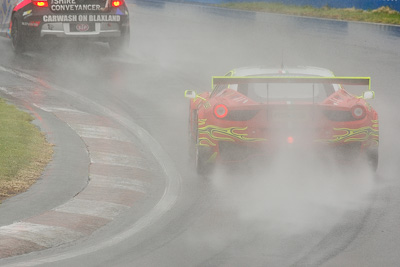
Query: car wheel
(373, 159)
(17, 40)
(120, 44)
(203, 166)
(192, 129)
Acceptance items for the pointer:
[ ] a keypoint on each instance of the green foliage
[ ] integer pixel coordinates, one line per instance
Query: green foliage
(15, 139)
(381, 15)
(22, 150)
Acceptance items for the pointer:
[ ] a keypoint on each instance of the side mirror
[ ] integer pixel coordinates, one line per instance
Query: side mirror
(368, 95)
(190, 94)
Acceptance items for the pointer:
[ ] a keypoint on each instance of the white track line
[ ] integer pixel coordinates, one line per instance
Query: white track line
(96, 208)
(119, 183)
(119, 160)
(58, 109)
(43, 235)
(99, 132)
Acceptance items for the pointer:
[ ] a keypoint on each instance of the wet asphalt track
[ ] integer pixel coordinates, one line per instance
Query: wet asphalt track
(224, 220)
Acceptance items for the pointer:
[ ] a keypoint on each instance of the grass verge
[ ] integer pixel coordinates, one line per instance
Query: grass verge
(383, 15)
(24, 151)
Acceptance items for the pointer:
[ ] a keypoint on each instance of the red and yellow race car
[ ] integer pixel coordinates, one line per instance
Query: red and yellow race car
(258, 111)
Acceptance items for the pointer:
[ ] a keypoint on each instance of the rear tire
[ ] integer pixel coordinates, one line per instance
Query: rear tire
(17, 40)
(203, 167)
(201, 153)
(192, 129)
(120, 44)
(373, 159)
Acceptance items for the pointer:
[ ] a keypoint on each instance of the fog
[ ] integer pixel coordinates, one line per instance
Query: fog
(295, 193)
(266, 210)
(293, 199)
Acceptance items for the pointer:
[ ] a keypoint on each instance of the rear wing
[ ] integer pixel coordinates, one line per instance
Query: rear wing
(217, 80)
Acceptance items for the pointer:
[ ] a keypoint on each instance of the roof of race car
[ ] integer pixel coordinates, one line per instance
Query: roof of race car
(297, 71)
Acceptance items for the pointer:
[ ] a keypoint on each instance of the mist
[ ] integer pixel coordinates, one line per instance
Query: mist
(261, 211)
(295, 192)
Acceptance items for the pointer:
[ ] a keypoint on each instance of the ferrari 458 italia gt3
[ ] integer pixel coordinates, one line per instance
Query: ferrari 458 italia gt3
(256, 111)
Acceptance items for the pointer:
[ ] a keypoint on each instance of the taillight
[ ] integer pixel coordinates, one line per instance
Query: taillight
(358, 112)
(40, 3)
(220, 111)
(290, 140)
(117, 3)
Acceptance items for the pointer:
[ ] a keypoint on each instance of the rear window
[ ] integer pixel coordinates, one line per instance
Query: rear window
(78, 6)
(263, 92)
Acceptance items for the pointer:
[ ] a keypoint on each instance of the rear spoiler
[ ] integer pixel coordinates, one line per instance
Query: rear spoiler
(259, 79)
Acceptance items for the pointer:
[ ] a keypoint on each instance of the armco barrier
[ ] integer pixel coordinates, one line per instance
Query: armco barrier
(359, 4)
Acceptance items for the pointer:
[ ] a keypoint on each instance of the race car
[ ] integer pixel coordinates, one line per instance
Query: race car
(27, 21)
(254, 112)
